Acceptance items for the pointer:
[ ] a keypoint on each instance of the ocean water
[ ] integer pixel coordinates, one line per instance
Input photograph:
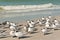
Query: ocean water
(24, 16)
(22, 10)
(28, 2)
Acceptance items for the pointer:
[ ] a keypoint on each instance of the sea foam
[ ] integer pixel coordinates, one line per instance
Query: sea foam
(27, 8)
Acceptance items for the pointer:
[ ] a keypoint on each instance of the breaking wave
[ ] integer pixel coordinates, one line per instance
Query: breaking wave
(27, 8)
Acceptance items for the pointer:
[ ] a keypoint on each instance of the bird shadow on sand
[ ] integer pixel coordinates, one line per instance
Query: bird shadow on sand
(56, 29)
(2, 37)
(47, 33)
(34, 32)
(25, 37)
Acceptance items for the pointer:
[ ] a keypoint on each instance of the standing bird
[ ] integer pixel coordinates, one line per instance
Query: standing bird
(30, 29)
(12, 33)
(13, 24)
(30, 25)
(47, 19)
(43, 18)
(32, 22)
(49, 16)
(47, 24)
(13, 28)
(54, 26)
(56, 22)
(19, 34)
(45, 31)
(7, 25)
(25, 28)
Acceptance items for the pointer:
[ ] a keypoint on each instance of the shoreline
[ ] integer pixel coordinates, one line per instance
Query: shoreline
(21, 16)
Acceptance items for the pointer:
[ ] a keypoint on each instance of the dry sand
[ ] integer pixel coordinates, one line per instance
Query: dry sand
(38, 35)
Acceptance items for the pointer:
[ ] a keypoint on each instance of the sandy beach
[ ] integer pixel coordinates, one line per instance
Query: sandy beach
(55, 35)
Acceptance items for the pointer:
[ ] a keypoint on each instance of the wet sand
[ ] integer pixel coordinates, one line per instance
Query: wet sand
(55, 35)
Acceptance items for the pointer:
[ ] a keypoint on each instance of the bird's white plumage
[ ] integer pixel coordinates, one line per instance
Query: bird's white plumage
(19, 34)
(12, 28)
(53, 26)
(30, 25)
(8, 23)
(12, 33)
(30, 29)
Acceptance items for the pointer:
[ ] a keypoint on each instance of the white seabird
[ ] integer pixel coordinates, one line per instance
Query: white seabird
(49, 16)
(12, 33)
(30, 25)
(30, 29)
(45, 31)
(13, 24)
(53, 26)
(13, 28)
(32, 22)
(7, 24)
(56, 22)
(17, 34)
(47, 19)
